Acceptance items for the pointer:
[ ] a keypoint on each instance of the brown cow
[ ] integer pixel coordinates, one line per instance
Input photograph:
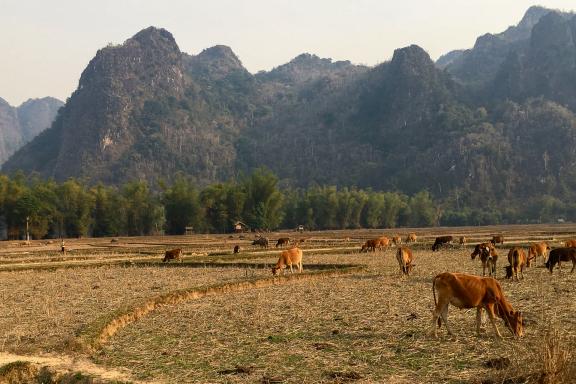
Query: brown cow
(282, 242)
(517, 260)
(537, 249)
(462, 240)
(174, 254)
(469, 291)
(488, 257)
(497, 239)
(382, 242)
(561, 254)
(411, 238)
(397, 240)
(404, 257)
(370, 246)
(570, 243)
(236, 249)
(441, 240)
(289, 257)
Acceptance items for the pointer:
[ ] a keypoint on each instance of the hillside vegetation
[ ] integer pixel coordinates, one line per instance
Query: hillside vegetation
(492, 127)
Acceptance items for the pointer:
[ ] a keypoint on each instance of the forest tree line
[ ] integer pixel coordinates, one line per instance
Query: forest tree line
(74, 209)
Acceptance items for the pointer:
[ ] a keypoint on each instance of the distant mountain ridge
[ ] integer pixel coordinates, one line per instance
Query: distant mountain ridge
(470, 128)
(19, 125)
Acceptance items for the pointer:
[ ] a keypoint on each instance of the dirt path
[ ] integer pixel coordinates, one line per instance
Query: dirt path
(64, 364)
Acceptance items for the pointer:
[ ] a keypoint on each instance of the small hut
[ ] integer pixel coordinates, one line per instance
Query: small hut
(240, 227)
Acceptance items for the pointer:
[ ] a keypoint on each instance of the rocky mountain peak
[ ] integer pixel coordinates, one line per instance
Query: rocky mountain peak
(219, 52)
(551, 30)
(532, 16)
(150, 49)
(412, 59)
(214, 63)
(153, 37)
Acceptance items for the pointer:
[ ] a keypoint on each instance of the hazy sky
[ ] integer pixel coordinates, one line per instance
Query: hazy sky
(45, 45)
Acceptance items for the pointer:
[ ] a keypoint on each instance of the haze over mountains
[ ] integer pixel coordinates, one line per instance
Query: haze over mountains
(19, 125)
(490, 124)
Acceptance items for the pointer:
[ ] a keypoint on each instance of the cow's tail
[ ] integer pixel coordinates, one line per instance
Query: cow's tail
(435, 301)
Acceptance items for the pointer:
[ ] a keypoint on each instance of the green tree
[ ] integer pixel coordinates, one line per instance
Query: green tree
(143, 211)
(75, 207)
(182, 207)
(263, 207)
(422, 210)
(108, 211)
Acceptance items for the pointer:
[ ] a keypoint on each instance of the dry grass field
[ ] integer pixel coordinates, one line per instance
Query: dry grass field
(223, 318)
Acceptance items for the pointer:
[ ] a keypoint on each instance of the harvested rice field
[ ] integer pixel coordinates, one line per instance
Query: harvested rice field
(220, 317)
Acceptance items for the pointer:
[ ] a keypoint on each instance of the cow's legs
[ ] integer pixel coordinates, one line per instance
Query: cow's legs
(441, 312)
(478, 319)
(490, 311)
(439, 315)
(573, 265)
(444, 315)
(291, 270)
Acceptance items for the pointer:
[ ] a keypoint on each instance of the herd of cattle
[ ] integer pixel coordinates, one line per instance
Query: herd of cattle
(459, 289)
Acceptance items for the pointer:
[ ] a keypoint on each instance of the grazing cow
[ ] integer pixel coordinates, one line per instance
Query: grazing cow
(488, 257)
(538, 249)
(411, 238)
(404, 257)
(462, 240)
(561, 254)
(370, 245)
(517, 260)
(469, 291)
(397, 240)
(236, 249)
(282, 242)
(497, 239)
(261, 241)
(289, 257)
(174, 254)
(382, 242)
(441, 240)
(570, 243)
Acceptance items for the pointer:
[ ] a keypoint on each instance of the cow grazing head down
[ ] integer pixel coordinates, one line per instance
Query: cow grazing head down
(558, 255)
(289, 258)
(173, 254)
(440, 241)
(470, 291)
